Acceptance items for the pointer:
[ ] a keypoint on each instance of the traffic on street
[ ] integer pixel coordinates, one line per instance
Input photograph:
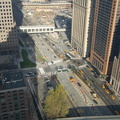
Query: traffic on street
(61, 60)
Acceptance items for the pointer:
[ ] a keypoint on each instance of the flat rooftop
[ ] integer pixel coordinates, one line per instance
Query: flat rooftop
(6, 59)
(11, 80)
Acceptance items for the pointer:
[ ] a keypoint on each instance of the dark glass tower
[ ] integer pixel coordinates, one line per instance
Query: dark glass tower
(105, 35)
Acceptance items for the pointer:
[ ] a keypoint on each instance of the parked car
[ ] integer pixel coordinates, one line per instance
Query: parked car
(79, 84)
(95, 101)
(65, 69)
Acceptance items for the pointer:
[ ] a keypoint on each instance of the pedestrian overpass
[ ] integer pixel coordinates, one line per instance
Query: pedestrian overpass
(39, 29)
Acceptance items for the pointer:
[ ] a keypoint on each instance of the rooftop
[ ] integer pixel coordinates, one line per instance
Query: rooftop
(6, 59)
(11, 80)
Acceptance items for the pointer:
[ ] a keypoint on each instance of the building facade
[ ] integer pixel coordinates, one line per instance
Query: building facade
(8, 31)
(13, 97)
(80, 25)
(105, 35)
(115, 75)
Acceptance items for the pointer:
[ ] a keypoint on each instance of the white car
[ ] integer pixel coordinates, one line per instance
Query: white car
(59, 70)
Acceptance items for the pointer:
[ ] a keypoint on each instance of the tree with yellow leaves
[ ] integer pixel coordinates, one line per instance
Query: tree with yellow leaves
(56, 105)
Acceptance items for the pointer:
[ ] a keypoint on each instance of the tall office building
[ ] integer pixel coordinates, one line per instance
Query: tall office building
(13, 97)
(80, 25)
(106, 34)
(8, 31)
(115, 75)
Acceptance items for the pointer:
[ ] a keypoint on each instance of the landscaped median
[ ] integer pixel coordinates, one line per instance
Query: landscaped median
(26, 62)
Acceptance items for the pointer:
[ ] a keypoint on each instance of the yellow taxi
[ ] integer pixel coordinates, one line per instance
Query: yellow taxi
(106, 90)
(90, 69)
(117, 112)
(112, 97)
(103, 86)
(81, 72)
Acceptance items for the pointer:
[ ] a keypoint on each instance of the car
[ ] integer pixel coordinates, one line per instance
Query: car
(95, 101)
(90, 69)
(106, 90)
(65, 69)
(49, 84)
(47, 80)
(117, 112)
(81, 72)
(27, 75)
(95, 75)
(79, 84)
(112, 97)
(59, 70)
(36, 83)
(103, 86)
(53, 44)
(69, 66)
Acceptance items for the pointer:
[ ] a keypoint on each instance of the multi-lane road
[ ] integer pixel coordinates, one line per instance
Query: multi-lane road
(112, 104)
(73, 92)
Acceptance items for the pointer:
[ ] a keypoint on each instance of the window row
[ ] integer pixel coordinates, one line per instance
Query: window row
(4, 2)
(6, 24)
(6, 20)
(5, 10)
(37, 30)
(5, 6)
(8, 13)
(4, 17)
